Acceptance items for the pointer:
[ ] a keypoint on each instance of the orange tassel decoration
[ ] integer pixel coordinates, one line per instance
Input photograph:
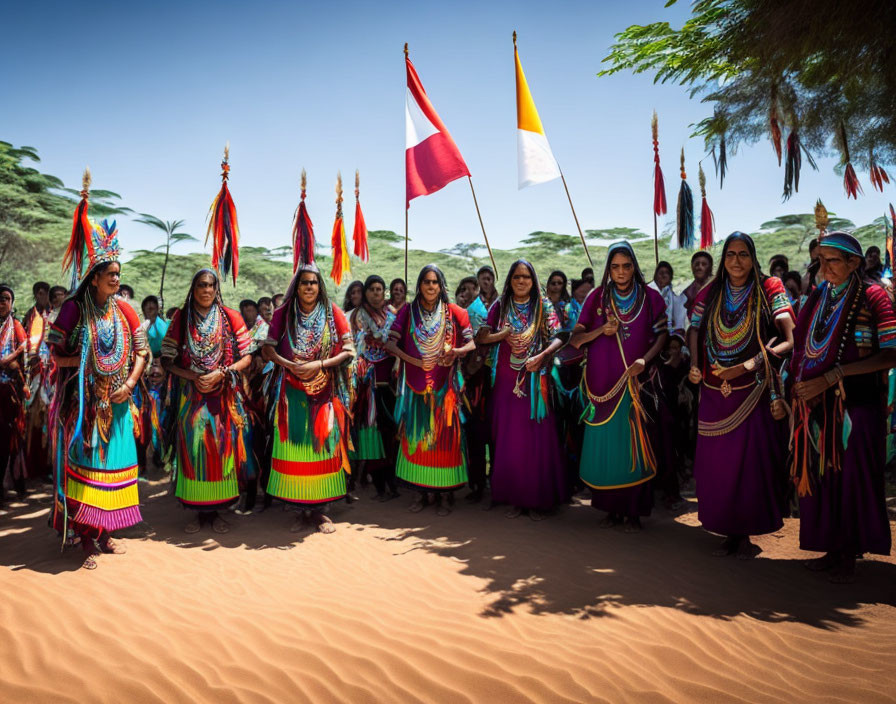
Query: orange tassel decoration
(81, 238)
(223, 228)
(341, 263)
(707, 219)
(878, 176)
(359, 235)
(302, 233)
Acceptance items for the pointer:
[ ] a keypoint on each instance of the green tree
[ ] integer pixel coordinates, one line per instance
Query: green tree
(551, 242)
(802, 226)
(173, 236)
(816, 66)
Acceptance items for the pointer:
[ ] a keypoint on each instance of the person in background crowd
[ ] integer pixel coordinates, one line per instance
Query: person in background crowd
(813, 274)
(277, 300)
(701, 268)
(169, 314)
(12, 393)
(354, 294)
(466, 291)
(126, 292)
(588, 275)
(57, 296)
(249, 311)
(673, 416)
(154, 324)
(398, 291)
(778, 266)
(266, 309)
(793, 284)
(37, 373)
(874, 269)
(676, 316)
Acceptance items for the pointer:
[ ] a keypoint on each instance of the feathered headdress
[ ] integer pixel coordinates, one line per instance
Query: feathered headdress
(223, 228)
(302, 232)
(341, 262)
(707, 219)
(90, 243)
(359, 235)
(685, 213)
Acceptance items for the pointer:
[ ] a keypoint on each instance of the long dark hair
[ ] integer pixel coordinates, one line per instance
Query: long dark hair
(290, 299)
(564, 293)
(443, 294)
(507, 294)
(606, 283)
(370, 281)
(187, 308)
(86, 284)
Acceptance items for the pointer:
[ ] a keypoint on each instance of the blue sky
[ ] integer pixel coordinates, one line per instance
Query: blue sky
(147, 94)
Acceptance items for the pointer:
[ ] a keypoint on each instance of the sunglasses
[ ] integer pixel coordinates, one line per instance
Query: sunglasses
(308, 282)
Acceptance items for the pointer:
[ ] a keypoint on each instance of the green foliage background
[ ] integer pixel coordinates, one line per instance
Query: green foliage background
(35, 224)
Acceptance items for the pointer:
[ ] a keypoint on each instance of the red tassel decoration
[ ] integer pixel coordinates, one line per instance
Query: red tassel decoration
(707, 219)
(223, 228)
(81, 238)
(302, 233)
(850, 180)
(341, 262)
(359, 235)
(878, 176)
(659, 187)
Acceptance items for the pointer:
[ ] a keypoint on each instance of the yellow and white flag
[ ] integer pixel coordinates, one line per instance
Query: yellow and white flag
(536, 162)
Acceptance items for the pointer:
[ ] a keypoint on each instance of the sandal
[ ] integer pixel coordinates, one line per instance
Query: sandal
(219, 525)
(89, 563)
(325, 525)
(193, 527)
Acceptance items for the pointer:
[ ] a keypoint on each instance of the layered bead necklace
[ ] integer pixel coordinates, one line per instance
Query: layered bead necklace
(6, 342)
(110, 346)
(627, 306)
(733, 324)
(372, 335)
(524, 331)
(429, 331)
(310, 335)
(205, 339)
(827, 322)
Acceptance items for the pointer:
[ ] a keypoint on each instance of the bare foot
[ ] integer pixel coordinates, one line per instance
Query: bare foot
(192, 527)
(513, 512)
(324, 524)
(112, 548)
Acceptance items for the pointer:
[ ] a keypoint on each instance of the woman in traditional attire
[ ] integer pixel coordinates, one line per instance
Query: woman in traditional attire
(12, 393)
(622, 328)
(100, 352)
(206, 348)
(741, 327)
(429, 335)
(527, 471)
(354, 296)
(374, 429)
(398, 294)
(845, 341)
(310, 340)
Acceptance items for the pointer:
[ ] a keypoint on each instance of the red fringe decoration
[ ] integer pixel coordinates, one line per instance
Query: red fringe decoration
(81, 234)
(707, 225)
(659, 186)
(775, 128)
(878, 177)
(302, 234)
(851, 182)
(359, 235)
(224, 229)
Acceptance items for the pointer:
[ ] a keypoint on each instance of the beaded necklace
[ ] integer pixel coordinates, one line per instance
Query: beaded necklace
(309, 334)
(732, 327)
(429, 331)
(6, 336)
(205, 339)
(523, 339)
(372, 335)
(627, 306)
(827, 323)
(110, 346)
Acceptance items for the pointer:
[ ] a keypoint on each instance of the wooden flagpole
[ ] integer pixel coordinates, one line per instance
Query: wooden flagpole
(575, 217)
(487, 245)
(406, 204)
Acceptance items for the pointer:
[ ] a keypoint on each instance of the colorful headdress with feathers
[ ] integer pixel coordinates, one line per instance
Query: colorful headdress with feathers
(223, 228)
(302, 232)
(91, 243)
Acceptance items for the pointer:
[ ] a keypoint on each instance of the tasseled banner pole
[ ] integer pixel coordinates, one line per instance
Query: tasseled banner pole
(302, 232)
(81, 242)
(889, 234)
(359, 234)
(223, 228)
(684, 213)
(707, 219)
(659, 187)
(341, 262)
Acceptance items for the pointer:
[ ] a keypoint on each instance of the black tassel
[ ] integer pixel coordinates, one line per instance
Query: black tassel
(793, 164)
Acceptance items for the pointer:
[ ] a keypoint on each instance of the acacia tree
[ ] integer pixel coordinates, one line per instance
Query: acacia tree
(824, 70)
(172, 236)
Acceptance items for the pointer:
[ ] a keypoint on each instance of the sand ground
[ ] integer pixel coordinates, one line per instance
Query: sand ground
(401, 607)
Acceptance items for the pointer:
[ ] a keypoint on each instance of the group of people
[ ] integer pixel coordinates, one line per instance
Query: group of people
(770, 389)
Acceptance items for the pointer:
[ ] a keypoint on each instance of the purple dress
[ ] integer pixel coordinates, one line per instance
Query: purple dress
(843, 503)
(739, 465)
(528, 468)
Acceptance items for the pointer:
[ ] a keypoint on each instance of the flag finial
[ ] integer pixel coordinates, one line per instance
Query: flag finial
(405, 50)
(514, 39)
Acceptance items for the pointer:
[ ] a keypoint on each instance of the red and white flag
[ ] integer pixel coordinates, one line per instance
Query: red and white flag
(432, 159)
